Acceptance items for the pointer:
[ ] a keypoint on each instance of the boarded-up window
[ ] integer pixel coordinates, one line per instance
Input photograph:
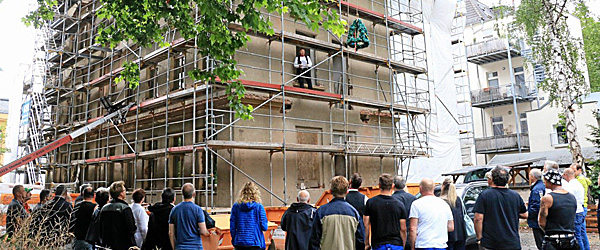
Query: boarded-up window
(309, 164)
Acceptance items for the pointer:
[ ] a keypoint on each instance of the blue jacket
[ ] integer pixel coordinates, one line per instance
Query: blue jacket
(337, 225)
(538, 189)
(247, 223)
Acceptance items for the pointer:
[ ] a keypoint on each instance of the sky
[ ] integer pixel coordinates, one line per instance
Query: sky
(16, 53)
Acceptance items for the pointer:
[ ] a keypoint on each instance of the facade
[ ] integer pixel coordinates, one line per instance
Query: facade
(507, 105)
(3, 124)
(184, 131)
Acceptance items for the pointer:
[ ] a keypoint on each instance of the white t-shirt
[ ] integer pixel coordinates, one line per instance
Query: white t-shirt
(433, 214)
(574, 187)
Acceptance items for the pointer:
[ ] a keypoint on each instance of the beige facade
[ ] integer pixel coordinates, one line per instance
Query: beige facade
(183, 131)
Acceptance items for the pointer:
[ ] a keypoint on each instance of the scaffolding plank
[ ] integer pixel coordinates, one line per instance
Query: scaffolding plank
(222, 144)
(379, 18)
(385, 105)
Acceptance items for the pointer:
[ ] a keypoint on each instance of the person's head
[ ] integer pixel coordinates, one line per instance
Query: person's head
(102, 196)
(550, 165)
(82, 187)
(339, 186)
(386, 182)
(569, 174)
(578, 169)
(535, 175)
(552, 179)
(302, 52)
(61, 190)
(188, 191)
(117, 190)
(355, 181)
(168, 196)
(303, 196)
(19, 192)
(138, 195)
(399, 182)
(500, 176)
(88, 193)
(426, 186)
(44, 196)
(449, 192)
(249, 193)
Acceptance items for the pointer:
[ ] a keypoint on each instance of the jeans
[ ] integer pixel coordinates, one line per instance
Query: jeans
(81, 245)
(388, 247)
(538, 235)
(580, 233)
(456, 245)
(563, 244)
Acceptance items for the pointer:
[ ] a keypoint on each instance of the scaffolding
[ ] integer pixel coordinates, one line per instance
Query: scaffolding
(463, 86)
(363, 114)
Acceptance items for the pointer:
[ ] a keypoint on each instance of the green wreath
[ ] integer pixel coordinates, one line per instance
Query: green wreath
(358, 37)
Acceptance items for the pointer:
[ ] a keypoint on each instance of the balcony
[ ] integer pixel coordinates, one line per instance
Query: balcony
(489, 51)
(502, 95)
(501, 143)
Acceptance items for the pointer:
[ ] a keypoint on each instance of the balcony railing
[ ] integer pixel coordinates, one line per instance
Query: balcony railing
(501, 143)
(501, 95)
(489, 51)
(558, 139)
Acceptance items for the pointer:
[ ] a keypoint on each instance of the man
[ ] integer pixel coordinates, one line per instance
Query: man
(16, 212)
(357, 200)
(430, 219)
(82, 217)
(385, 217)
(302, 63)
(557, 214)
(538, 190)
(297, 222)
(585, 182)
(117, 225)
(44, 197)
(186, 222)
(93, 234)
(81, 188)
(575, 188)
(337, 225)
(158, 224)
(59, 212)
(140, 216)
(497, 213)
(405, 198)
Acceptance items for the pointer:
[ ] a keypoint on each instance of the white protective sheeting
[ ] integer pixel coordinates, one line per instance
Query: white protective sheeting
(443, 123)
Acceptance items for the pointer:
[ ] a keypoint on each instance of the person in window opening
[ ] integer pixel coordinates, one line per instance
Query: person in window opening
(302, 63)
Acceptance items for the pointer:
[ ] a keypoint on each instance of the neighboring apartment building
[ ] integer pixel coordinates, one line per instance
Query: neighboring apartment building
(512, 119)
(183, 131)
(3, 123)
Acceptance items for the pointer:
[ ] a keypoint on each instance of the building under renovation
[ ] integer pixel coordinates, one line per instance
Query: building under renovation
(368, 111)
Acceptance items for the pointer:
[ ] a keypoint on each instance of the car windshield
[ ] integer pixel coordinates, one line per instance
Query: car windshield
(475, 175)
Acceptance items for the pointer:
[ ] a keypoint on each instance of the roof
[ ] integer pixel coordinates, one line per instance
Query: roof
(3, 106)
(478, 12)
(464, 170)
(561, 156)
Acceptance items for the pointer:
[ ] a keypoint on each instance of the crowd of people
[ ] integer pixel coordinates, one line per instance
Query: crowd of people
(394, 219)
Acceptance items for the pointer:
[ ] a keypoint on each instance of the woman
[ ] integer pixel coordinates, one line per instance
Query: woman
(456, 239)
(248, 220)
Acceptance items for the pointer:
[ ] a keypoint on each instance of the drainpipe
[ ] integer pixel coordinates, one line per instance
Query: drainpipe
(514, 97)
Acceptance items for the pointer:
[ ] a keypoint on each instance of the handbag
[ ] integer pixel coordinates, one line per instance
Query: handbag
(210, 222)
(469, 226)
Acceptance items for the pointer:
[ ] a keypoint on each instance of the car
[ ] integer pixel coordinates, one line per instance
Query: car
(468, 193)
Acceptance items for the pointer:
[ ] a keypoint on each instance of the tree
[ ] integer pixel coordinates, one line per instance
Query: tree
(145, 21)
(543, 25)
(591, 44)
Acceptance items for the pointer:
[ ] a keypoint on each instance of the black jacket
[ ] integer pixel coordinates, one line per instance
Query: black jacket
(117, 225)
(58, 217)
(81, 219)
(158, 227)
(297, 222)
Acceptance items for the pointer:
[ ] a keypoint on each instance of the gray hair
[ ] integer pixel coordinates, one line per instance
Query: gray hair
(550, 165)
(399, 182)
(536, 173)
(303, 196)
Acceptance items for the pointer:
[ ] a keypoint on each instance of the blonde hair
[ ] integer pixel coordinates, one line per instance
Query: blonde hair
(249, 193)
(449, 192)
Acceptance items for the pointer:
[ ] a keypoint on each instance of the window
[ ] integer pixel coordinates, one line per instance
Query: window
(523, 123)
(492, 78)
(497, 126)
(519, 76)
(470, 197)
(179, 72)
(151, 83)
(561, 135)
